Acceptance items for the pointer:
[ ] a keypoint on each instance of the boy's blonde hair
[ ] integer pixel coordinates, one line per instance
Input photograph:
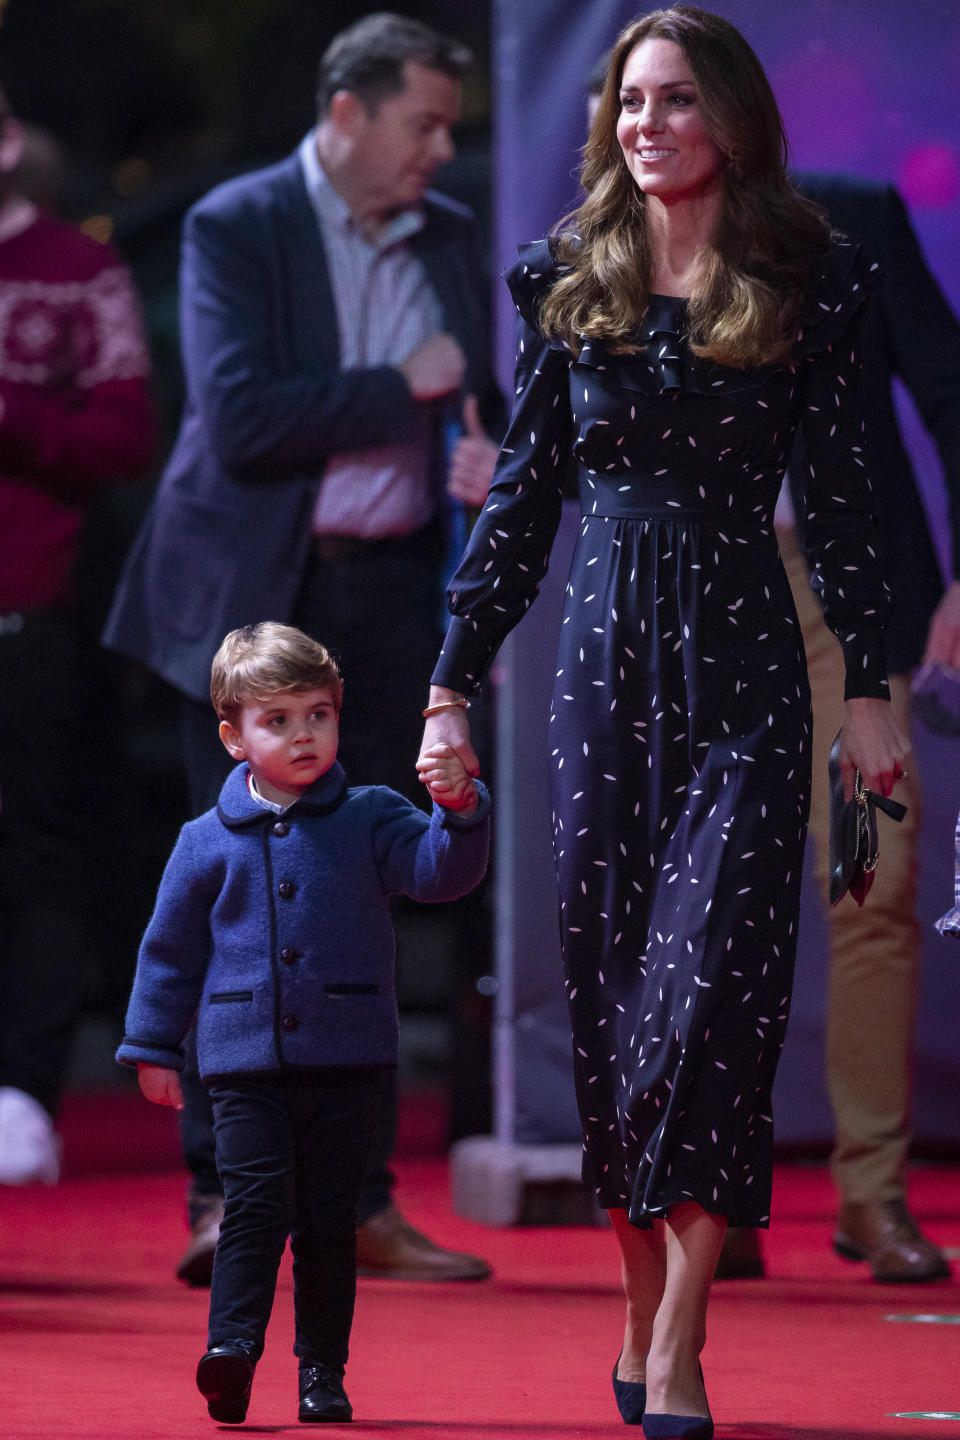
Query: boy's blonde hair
(258, 661)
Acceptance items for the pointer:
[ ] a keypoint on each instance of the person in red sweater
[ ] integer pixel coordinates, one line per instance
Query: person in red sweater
(75, 411)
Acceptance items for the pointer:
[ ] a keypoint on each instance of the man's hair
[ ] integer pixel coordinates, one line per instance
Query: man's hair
(259, 661)
(368, 58)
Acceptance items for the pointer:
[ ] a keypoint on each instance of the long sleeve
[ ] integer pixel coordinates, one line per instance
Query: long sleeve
(839, 525)
(509, 548)
(262, 409)
(173, 958)
(430, 858)
(925, 335)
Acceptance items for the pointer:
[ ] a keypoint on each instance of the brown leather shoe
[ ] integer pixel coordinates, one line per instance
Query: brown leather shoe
(885, 1234)
(388, 1248)
(740, 1257)
(196, 1263)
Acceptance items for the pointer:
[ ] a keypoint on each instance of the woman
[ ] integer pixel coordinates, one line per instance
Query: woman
(693, 315)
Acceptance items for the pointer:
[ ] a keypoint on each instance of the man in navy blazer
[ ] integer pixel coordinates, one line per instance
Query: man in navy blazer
(910, 332)
(334, 334)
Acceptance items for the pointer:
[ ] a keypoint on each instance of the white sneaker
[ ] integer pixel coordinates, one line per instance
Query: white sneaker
(29, 1145)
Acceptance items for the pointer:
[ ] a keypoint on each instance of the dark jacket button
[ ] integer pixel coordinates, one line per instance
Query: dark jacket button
(286, 889)
(289, 1022)
(281, 828)
(288, 955)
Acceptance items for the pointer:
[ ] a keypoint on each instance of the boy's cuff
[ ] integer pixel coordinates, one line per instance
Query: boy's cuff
(457, 820)
(134, 1052)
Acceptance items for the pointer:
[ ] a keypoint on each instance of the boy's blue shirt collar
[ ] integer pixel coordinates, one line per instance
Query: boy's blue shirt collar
(238, 810)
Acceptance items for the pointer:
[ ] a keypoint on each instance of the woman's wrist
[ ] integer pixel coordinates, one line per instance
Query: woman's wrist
(440, 695)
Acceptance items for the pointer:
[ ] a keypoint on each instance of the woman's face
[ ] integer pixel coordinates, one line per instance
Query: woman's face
(668, 149)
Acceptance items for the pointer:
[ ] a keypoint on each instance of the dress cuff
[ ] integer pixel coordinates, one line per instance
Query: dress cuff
(464, 659)
(864, 657)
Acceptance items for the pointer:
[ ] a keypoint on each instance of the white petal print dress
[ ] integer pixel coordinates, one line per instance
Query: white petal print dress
(680, 723)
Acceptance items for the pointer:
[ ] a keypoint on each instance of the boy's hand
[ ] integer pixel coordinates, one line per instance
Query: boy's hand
(444, 774)
(160, 1085)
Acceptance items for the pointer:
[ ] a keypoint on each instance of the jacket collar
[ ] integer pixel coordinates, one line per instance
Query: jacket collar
(238, 810)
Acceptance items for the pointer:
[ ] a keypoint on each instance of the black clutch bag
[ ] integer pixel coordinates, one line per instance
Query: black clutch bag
(854, 851)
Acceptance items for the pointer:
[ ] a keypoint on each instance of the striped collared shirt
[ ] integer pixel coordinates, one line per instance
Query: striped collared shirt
(385, 308)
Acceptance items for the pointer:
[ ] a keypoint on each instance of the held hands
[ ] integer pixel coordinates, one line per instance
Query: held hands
(943, 640)
(160, 1085)
(434, 369)
(443, 773)
(472, 459)
(448, 730)
(872, 743)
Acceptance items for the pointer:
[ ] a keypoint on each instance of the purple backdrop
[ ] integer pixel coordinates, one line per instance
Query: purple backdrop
(865, 87)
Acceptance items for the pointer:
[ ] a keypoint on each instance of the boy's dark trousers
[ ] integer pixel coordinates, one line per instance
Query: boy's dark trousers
(291, 1148)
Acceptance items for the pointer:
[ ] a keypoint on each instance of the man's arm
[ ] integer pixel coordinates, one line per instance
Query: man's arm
(258, 410)
(925, 335)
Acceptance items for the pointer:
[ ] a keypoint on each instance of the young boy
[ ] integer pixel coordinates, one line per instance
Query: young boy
(272, 927)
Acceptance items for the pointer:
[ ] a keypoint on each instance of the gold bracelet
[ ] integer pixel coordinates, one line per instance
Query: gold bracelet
(462, 704)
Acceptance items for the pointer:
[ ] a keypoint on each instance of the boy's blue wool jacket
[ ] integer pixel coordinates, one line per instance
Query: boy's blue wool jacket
(276, 932)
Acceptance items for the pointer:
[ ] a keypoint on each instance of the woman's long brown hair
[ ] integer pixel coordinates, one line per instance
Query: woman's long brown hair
(753, 277)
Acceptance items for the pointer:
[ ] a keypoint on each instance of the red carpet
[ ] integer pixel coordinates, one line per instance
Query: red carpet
(99, 1340)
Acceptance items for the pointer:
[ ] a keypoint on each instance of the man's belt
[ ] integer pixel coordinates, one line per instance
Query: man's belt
(335, 549)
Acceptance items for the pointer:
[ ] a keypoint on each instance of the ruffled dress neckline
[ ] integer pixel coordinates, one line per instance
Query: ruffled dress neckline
(839, 284)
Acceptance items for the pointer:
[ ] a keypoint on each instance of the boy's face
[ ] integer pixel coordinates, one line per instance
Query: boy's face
(288, 740)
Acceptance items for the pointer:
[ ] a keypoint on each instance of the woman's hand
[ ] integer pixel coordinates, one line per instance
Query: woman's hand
(873, 743)
(450, 727)
(160, 1085)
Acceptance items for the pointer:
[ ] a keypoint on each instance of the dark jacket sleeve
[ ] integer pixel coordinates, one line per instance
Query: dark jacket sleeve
(925, 335)
(172, 963)
(430, 857)
(259, 408)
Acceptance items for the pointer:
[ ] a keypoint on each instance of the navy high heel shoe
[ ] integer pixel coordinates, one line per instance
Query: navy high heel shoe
(631, 1397)
(678, 1427)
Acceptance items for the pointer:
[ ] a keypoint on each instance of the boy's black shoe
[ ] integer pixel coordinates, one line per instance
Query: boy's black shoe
(225, 1378)
(322, 1396)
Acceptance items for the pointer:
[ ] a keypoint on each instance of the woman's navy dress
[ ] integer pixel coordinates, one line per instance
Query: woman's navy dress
(680, 723)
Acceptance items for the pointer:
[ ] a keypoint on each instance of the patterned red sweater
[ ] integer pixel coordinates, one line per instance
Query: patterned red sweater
(75, 406)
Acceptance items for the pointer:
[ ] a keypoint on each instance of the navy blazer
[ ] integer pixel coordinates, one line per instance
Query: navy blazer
(226, 540)
(909, 332)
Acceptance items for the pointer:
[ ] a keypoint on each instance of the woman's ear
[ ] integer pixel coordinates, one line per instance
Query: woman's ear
(231, 739)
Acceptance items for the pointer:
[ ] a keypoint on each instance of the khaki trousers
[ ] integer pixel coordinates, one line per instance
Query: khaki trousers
(874, 951)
